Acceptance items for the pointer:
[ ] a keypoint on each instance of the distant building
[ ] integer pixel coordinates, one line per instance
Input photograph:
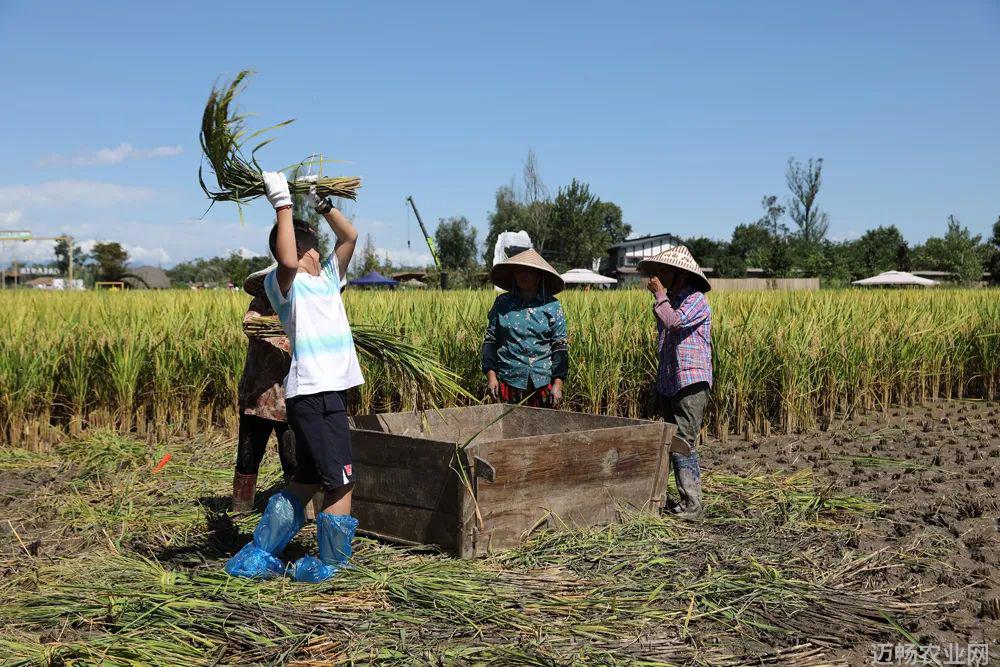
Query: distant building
(624, 257)
(151, 278)
(631, 251)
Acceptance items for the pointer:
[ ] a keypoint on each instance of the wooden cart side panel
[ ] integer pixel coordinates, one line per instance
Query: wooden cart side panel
(576, 477)
(414, 525)
(407, 489)
(403, 470)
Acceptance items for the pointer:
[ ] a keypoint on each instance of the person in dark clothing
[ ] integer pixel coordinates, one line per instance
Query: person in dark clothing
(261, 400)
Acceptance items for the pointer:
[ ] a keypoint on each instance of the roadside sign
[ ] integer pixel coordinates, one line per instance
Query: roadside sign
(15, 235)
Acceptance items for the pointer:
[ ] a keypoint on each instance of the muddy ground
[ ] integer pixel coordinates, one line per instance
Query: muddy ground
(931, 469)
(935, 470)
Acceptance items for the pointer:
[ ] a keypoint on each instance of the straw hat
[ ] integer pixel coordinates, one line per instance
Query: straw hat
(675, 257)
(254, 283)
(502, 274)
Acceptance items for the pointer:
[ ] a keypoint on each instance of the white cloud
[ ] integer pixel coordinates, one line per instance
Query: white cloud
(139, 255)
(10, 217)
(71, 193)
(242, 251)
(116, 155)
(402, 257)
(29, 252)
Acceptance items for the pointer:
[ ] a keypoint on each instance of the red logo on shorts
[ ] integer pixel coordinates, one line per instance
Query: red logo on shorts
(347, 470)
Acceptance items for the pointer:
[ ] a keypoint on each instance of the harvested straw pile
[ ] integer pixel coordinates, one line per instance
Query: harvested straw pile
(223, 137)
(139, 580)
(413, 367)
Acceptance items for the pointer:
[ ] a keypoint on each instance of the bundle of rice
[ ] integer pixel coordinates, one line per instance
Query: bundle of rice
(223, 136)
(430, 380)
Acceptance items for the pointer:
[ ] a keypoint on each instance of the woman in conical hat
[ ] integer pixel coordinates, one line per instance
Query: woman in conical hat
(261, 399)
(525, 349)
(684, 373)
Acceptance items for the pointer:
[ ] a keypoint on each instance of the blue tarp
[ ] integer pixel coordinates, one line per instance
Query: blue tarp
(373, 279)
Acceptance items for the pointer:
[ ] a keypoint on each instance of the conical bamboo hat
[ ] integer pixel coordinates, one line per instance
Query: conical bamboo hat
(254, 283)
(676, 257)
(502, 274)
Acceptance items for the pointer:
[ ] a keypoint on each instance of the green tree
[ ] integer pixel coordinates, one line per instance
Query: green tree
(706, 251)
(582, 227)
(508, 215)
(61, 251)
(573, 229)
(110, 260)
(730, 266)
(525, 209)
(368, 260)
(804, 182)
(778, 261)
(612, 223)
(456, 242)
(750, 242)
(993, 254)
(958, 252)
(880, 249)
(771, 220)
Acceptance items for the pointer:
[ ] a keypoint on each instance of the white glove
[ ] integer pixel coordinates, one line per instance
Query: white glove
(276, 187)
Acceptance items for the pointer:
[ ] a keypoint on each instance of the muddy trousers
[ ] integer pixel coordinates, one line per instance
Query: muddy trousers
(686, 408)
(252, 443)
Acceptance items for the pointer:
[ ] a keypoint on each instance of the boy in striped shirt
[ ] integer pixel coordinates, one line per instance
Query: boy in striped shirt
(305, 292)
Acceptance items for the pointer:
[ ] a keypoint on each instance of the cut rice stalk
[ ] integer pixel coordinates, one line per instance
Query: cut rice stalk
(430, 380)
(223, 136)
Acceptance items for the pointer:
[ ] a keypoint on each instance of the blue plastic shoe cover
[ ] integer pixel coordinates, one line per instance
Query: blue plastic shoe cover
(282, 519)
(252, 562)
(312, 570)
(334, 532)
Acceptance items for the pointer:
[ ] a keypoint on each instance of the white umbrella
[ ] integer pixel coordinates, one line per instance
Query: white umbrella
(895, 278)
(586, 277)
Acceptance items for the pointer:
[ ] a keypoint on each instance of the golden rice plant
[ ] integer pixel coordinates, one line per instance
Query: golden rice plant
(783, 361)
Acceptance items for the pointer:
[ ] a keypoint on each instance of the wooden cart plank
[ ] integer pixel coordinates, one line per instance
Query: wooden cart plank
(577, 477)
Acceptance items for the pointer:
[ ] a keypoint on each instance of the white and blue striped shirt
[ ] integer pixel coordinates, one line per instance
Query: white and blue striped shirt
(313, 314)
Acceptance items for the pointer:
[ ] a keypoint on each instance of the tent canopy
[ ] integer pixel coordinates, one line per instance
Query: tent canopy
(895, 278)
(586, 277)
(373, 279)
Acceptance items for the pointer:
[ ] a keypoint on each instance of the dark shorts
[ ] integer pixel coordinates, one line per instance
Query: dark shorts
(322, 439)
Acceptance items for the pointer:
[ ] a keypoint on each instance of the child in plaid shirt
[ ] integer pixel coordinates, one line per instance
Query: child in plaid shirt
(684, 374)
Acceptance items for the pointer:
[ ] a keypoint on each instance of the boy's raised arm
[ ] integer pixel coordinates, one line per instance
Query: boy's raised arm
(347, 236)
(285, 250)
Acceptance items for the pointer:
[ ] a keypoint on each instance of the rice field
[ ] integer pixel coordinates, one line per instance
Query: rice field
(784, 361)
(816, 545)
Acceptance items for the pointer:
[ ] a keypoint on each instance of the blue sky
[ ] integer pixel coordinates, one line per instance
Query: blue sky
(683, 114)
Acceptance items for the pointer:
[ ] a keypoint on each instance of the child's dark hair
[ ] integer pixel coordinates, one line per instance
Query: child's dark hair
(305, 236)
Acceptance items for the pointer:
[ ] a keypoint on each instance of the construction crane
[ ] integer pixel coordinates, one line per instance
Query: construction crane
(430, 243)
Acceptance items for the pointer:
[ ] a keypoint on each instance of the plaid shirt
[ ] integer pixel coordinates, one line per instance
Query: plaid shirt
(684, 324)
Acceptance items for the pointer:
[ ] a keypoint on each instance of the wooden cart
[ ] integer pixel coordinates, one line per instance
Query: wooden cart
(474, 480)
